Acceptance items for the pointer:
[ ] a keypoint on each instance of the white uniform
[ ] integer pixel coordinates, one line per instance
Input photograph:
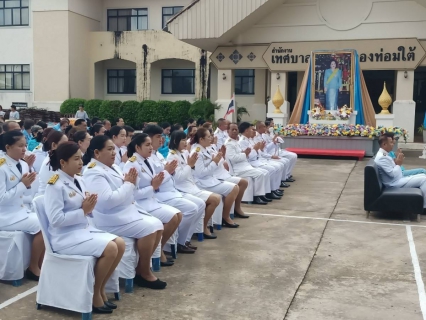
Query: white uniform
(69, 229)
(192, 209)
(15, 198)
(144, 192)
(118, 154)
(40, 156)
(222, 136)
(44, 175)
(204, 171)
(221, 173)
(184, 181)
(239, 162)
(115, 211)
(275, 149)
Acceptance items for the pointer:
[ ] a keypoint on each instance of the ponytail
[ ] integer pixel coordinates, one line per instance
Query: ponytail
(97, 143)
(53, 162)
(137, 140)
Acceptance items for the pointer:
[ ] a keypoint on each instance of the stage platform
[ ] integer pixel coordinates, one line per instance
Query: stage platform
(360, 154)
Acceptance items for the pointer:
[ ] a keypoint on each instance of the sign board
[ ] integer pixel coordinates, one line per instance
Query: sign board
(20, 104)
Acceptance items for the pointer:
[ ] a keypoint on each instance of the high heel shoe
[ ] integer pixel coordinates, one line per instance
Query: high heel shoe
(104, 309)
(30, 275)
(228, 225)
(241, 216)
(110, 305)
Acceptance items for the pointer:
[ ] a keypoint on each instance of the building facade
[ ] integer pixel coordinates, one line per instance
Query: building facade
(257, 45)
(53, 50)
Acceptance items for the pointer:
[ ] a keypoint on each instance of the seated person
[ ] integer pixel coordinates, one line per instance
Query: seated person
(16, 196)
(67, 208)
(115, 211)
(390, 171)
(410, 172)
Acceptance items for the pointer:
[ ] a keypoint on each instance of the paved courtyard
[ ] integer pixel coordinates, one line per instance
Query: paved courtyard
(311, 256)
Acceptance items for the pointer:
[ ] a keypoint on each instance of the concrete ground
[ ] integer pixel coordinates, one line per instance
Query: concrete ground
(312, 255)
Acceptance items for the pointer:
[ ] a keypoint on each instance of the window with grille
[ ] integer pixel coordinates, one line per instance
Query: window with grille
(170, 12)
(14, 13)
(178, 81)
(122, 81)
(244, 81)
(127, 19)
(14, 77)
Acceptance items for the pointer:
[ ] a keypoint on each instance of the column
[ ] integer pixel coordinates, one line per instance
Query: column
(225, 89)
(404, 108)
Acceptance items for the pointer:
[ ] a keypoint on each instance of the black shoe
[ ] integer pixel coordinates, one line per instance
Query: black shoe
(189, 245)
(184, 249)
(258, 200)
(279, 194)
(241, 216)
(170, 259)
(272, 196)
(31, 276)
(110, 305)
(104, 309)
(290, 180)
(209, 236)
(263, 198)
(166, 264)
(284, 185)
(228, 225)
(155, 285)
(278, 191)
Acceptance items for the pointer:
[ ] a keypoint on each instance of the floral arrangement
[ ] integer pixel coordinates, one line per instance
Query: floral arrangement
(318, 113)
(344, 113)
(338, 130)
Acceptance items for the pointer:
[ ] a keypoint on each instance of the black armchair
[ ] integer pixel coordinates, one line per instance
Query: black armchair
(379, 198)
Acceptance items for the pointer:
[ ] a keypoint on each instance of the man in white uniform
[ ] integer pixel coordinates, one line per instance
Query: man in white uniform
(221, 132)
(238, 160)
(390, 170)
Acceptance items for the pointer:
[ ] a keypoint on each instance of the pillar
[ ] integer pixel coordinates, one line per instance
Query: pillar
(225, 89)
(404, 108)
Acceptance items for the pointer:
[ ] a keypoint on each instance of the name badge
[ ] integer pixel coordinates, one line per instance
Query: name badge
(72, 194)
(12, 178)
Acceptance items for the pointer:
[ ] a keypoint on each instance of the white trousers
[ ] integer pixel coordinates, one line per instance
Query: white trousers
(260, 180)
(418, 181)
(275, 173)
(201, 205)
(267, 176)
(286, 171)
(291, 156)
(190, 216)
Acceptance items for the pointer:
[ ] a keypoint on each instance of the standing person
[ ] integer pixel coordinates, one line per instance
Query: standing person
(164, 149)
(13, 115)
(115, 210)
(81, 114)
(332, 86)
(118, 137)
(28, 124)
(2, 113)
(16, 179)
(67, 208)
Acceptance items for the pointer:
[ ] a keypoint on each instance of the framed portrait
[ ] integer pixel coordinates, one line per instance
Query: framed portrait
(332, 80)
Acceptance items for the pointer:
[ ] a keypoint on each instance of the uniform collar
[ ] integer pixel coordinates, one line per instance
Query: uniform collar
(9, 159)
(139, 157)
(385, 153)
(65, 176)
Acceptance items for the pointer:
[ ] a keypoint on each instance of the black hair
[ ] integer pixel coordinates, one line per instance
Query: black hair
(333, 60)
(152, 130)
(95, 129)
(243, 126)
(137, 140)
(201, 133)
(105, 121)
(97, 143)
(115, 131)
(384, 137)
(64, 152)
(190, 120)
(175, 127)
(200, 122)
(165, 125)
(88, 122)
(53, 137)
(267, 123)
(28, 124)
(95, 120)
(78, 122)
(67, 129)
(117, 120)
(175, 138)
(6, 126)
(13, 107)
(10, 138)
(46, 132)
(269, 119)
(79, 136)
(42, 124)
(39, 136)
(128, 129)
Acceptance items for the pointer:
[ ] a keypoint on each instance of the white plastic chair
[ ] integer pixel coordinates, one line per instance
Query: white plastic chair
(66, 281)
(15, 252)
(249, 193)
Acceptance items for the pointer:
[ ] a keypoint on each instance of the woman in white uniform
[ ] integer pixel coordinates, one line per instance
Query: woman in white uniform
(82, 138)
(54, 139)
(39, 151)
(204, 170)
(16, 197)
(184, 181)
(118, 136)
(67, 208)
(116, 212)
(138, 151)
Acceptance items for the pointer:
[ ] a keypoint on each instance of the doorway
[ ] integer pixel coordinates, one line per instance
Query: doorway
(374, 80)
(420, 100)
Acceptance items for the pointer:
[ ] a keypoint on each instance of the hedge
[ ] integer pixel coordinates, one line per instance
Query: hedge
(179, 112)
(129, 111)
(70, 106)
(110, 109)
(148, 112)
(92, 107)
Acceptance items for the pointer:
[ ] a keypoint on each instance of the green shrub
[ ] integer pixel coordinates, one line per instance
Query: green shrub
(110, 109)
(203, 108)
(147, 112)
(70, 106)
(179, 112)
(163, 111)
(92, 107)
(129, 111)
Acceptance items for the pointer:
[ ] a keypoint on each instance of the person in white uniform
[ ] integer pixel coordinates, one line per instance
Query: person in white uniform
(204, 170)
(54, 139)
(222, 132)
(70, 233)
(39, 151)
(238, 159)
(390, 170)
(16, 196)
(192, 210)
(184, 180)
(118, 136)
(255, 160)
(138, 151)
(116, 211)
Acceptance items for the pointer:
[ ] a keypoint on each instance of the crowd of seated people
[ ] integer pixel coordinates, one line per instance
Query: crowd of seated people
(104, 182)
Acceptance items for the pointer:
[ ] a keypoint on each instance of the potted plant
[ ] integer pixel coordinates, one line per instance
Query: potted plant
(422, 129)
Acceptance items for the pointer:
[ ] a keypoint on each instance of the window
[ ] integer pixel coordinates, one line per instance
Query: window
(127, 19)
(14, 77)
(122, 81)
(244, 81)
(14, 13)
(178, 81)
(170, 12)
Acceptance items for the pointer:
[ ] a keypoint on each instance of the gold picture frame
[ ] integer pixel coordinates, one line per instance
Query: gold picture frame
(321, 72)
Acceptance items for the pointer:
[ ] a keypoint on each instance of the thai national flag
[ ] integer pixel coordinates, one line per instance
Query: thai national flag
(231, 107)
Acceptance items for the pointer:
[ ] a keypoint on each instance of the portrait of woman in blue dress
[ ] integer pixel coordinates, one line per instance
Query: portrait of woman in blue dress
(332, 85)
